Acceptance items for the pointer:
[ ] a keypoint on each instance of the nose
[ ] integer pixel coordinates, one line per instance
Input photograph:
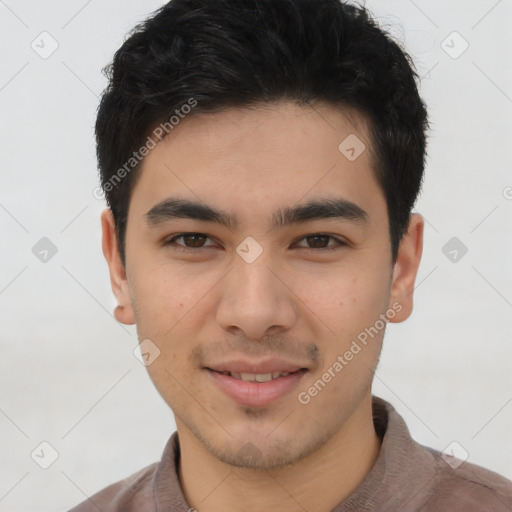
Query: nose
(256, 300)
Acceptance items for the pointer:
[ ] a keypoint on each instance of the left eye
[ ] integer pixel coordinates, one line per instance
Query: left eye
(196, 241)
(320, 239)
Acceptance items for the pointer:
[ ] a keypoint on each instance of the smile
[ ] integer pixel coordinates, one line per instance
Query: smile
(256, 389)
(256, 377)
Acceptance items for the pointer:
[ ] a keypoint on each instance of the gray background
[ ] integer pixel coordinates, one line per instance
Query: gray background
(68, 374)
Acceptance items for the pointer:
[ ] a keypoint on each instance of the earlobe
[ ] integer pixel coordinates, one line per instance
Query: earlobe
(124, 311)
(406, 268)
(124, 315)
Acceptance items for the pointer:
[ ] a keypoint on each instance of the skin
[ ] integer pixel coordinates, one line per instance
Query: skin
(294, 301)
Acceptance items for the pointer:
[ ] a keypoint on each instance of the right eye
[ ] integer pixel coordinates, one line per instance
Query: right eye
(192, 242)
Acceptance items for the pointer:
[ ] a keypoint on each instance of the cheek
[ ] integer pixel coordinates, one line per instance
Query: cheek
(168, 303)
(164, 296)
(344, 301)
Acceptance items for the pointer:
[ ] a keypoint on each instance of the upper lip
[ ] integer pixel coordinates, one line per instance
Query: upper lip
(260, 367)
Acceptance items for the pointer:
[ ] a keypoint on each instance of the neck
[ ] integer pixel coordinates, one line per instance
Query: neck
(317, 483)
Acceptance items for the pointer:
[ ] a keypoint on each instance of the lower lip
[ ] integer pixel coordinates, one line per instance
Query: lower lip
(256, 394)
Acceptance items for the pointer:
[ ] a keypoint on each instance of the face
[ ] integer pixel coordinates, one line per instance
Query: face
(267, 298)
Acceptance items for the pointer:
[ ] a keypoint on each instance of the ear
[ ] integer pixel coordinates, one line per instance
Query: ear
(406, 269)
(124, 311)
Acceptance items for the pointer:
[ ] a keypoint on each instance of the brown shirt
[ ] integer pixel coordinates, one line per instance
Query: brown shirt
(405, 477)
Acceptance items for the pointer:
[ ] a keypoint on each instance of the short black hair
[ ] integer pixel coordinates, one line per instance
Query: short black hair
(208, 55)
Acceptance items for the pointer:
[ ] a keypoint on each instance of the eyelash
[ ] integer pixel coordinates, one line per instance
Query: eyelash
(169, 243)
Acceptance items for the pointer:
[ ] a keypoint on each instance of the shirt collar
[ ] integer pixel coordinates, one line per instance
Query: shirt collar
(401, 475)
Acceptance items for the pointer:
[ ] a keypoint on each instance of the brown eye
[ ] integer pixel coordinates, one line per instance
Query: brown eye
(318, 242)
(191, 241)
(194, 240)
(321, 242)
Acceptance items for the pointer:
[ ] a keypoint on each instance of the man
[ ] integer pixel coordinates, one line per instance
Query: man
(261, 159)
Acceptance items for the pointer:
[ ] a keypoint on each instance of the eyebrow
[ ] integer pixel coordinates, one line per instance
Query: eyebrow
(330, 208)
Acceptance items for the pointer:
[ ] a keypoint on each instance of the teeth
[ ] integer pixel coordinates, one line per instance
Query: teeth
(263, 377)
(258, 377)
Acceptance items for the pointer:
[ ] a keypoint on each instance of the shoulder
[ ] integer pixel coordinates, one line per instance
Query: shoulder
(134, 493)
(462, 486)
(413, 476)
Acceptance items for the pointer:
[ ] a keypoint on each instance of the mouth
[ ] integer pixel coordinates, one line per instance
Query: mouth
(255, 377)
(256, 389)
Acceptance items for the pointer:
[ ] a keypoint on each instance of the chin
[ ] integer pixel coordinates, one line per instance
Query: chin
(263, 452)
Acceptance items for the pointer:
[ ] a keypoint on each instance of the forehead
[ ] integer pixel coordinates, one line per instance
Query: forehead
(257, 160)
